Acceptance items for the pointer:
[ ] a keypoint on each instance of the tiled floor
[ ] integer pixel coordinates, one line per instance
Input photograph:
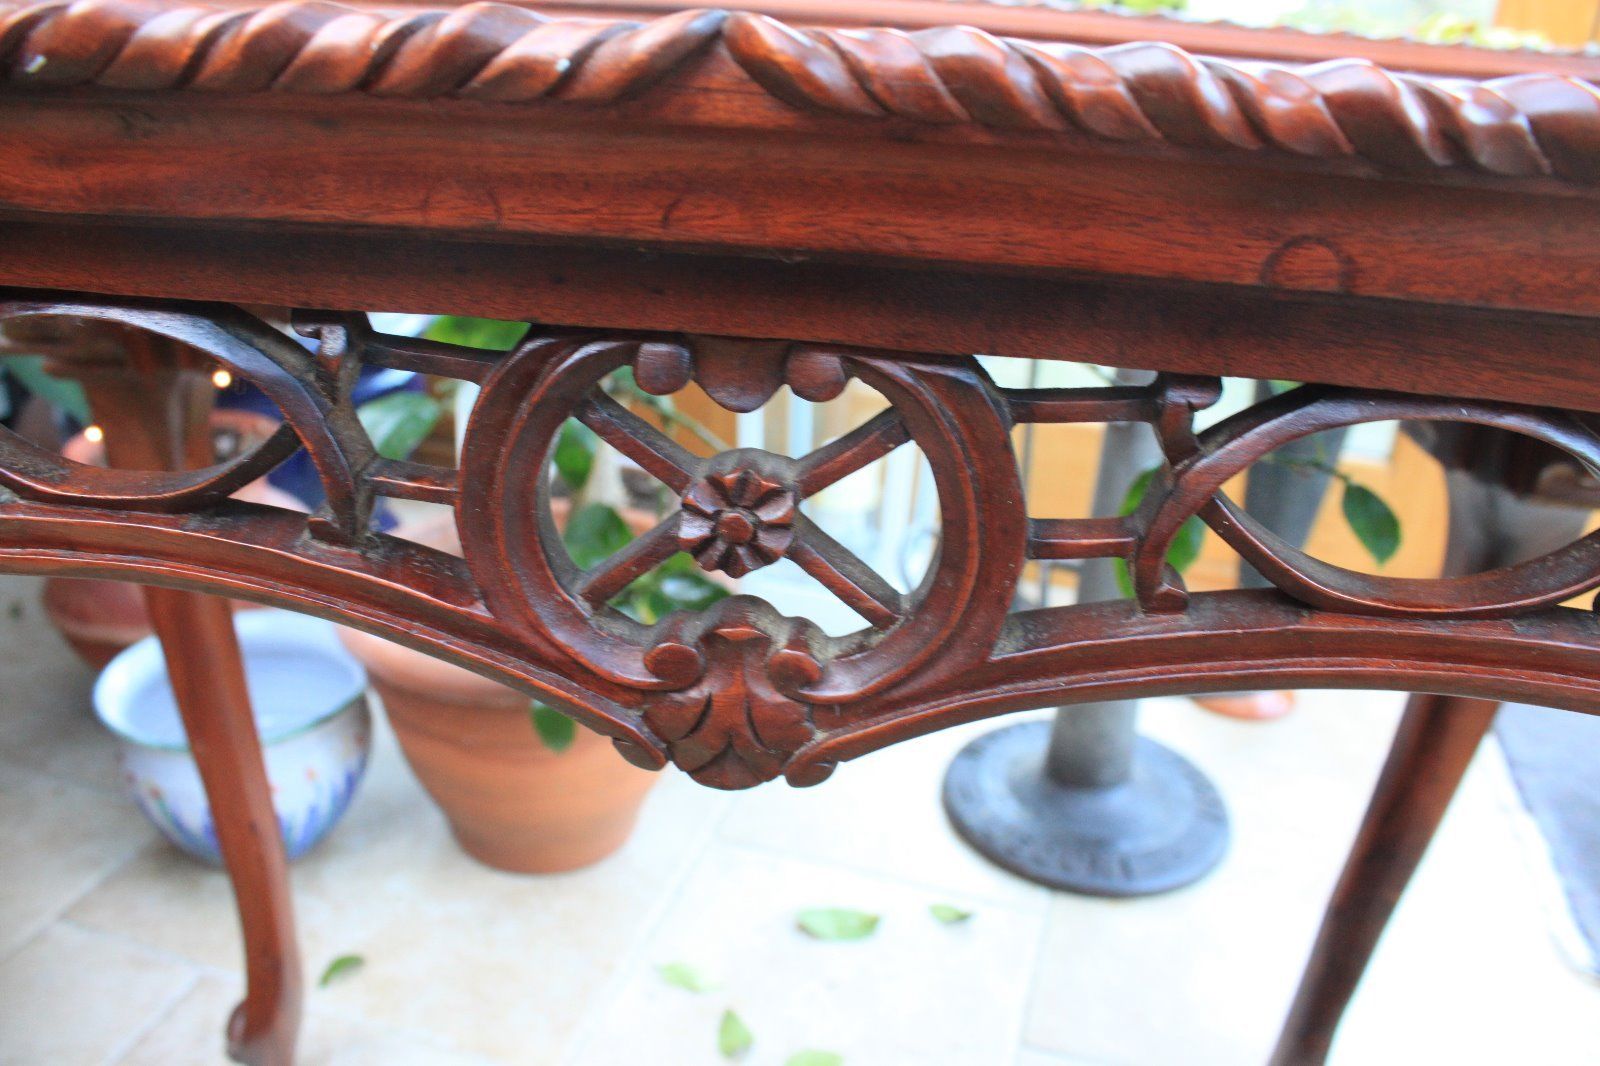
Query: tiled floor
(114, 949)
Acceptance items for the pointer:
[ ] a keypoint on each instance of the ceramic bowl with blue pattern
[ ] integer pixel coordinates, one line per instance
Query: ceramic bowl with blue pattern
(309, 698)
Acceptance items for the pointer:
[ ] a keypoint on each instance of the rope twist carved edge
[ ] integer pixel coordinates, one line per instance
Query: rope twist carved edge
(1521, 126)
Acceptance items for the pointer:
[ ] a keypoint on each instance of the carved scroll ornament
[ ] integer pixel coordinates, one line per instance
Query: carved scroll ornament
(739, 693)
(1523, 126)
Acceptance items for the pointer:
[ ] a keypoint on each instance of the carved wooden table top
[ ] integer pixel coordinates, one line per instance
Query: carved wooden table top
(1416, 230)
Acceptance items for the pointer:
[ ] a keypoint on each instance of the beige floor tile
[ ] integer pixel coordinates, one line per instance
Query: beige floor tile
(48, 716)
(165, 898)
(191, 1034)
(1203, 975)
(1029, 1057)
(1470, 970)
(916, 992)
(494, 964)
(69, 838)
(881, 814)
(72, 996)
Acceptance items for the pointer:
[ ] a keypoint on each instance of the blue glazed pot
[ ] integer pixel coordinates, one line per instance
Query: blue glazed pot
(309, 698)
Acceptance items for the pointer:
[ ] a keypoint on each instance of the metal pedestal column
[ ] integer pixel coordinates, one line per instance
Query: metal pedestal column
(1086, 804)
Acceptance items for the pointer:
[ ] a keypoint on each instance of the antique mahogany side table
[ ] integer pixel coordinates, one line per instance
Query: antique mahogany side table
(795, 195)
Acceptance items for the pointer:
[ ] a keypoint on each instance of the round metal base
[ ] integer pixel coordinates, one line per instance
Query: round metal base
(1162, 829)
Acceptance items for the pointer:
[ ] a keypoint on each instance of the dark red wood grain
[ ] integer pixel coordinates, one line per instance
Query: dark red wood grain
(742, 203)
(154, 418)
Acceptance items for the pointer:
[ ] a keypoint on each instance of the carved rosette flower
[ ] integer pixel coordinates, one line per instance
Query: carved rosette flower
(737, 521)
(740, 715)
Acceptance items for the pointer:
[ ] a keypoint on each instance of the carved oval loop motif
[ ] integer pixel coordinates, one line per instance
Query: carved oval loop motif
(732, 690)
(252, 351)
(1194, 487)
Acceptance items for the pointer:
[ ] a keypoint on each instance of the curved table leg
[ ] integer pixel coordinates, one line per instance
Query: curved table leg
(1435, 742)
(1489, 527)
(157, 419)
(208, 680)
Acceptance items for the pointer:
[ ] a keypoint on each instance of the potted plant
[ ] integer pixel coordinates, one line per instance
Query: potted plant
(523, 786)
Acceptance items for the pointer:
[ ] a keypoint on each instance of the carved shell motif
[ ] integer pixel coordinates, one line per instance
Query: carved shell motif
(740, 717)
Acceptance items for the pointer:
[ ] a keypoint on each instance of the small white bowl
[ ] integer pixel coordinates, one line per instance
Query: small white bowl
(309, 698)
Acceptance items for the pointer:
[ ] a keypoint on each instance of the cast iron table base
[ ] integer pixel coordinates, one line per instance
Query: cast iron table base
(1164, 828)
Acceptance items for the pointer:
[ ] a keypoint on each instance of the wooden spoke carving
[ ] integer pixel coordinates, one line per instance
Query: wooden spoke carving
(738, 511)
(739, 693)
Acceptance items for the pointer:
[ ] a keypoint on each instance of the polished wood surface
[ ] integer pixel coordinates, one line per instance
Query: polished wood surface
(1171, 168)
(203, 660)
(153, 412)
(737, 203)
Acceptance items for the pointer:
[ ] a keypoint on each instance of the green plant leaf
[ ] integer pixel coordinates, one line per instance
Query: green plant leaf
(837, 923)
(63, 393)
(488, 333)
(343, 966)
(399, 422)
(1146, 7)
(814, 1058)
(733, 1036)
(948, 914)
(594, 532)
(1186, 545)
(687, 586)
(682, 975)
(556, 730)
(575, 448)
(1372, 521)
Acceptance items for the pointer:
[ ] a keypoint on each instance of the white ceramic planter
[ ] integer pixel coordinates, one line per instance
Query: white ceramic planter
(309, 697)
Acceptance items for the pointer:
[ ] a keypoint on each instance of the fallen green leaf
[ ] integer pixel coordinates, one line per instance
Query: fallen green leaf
(1372, 521)
(682, 975)
(837, 923)
(340, 967)
(814, 1058)
(556, 730)
(949, 915)
(733, 1036)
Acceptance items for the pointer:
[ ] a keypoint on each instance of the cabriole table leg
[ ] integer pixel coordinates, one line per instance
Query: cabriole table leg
(1432, 748)
(207, 673)
(1489, 526)
(154, 415)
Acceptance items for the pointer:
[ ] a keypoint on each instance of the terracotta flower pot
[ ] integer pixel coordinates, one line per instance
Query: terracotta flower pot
(1262, 706)
(100, 618)
(511, 801)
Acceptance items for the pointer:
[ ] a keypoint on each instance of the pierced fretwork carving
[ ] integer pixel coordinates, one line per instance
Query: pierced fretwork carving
(740, 694)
